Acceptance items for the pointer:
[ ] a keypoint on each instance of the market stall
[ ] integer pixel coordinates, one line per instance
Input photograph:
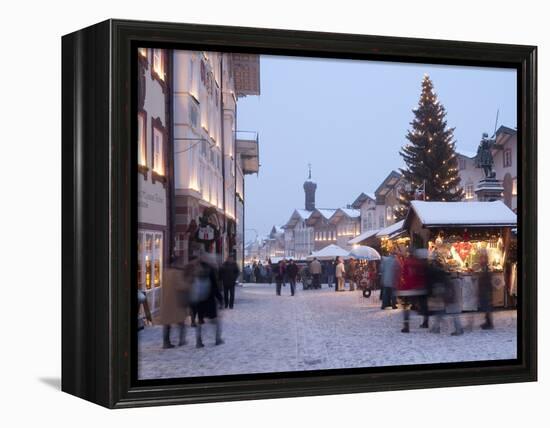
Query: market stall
(366, 270)
(460, 234)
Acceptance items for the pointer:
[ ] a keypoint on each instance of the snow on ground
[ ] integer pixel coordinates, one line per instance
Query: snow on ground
(318, 329)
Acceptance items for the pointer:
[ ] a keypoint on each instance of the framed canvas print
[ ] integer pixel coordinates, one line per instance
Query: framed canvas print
(253, 213)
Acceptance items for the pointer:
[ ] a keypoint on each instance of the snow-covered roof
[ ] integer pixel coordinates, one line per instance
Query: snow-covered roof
(304, 213)
(293, 220)
(365, 235)
(350, 212)
(329, 252)
(326, 212)
(473, 214)
(392, 228)
(466, 153)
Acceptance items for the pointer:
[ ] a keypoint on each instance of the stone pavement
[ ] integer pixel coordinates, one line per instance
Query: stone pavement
(318, 329)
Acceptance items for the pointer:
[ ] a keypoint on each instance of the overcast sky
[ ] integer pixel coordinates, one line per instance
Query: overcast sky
(349, 119)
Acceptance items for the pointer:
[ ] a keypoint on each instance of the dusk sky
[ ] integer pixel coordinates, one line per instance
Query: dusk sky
(349, 119)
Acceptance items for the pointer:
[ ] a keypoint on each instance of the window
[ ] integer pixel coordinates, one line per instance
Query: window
(461, 163)
(515, 186)
(389, 214)
(507, 158)
(370, 221)
(142, 139)
(139, 263)
(158, 64)
(157, 148)
(193, 80)
(156, 271)
(193, 113)
(157, 152)
(381, 221)
(142, 52)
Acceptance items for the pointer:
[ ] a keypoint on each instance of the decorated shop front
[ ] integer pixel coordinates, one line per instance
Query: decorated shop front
(468, 237)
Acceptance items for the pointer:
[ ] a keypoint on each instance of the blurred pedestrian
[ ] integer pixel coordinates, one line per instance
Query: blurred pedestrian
(269, 271)
(443, 296)
(340, 272)
(203, 295)
(229, 272)
(390, 274)
(316, 269)
(330, 269)
(413, 288)
(292, 273)
(280, 275)
(174, 304)
(351, 272)
(485, 290)
(257, 272)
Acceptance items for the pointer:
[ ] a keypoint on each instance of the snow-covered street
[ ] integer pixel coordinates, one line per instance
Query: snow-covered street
(318, 329)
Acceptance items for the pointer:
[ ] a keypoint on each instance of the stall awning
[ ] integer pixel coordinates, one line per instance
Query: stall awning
(363, 237)
(391, 229)
(459, 214)
(330, 252)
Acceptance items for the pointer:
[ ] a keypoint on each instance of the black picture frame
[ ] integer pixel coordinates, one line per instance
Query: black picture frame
(99, 214)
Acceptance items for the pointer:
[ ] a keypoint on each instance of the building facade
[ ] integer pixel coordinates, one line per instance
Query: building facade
(505, 164)
(299, 241)
(347, 222)
(387, 199)
(153, 166)
(208, 168)
(504, 151)
(366, 204)
(324, 232)
(190, 164)
(469, 174)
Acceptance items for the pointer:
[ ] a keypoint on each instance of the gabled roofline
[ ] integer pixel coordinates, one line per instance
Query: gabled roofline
(392, 174)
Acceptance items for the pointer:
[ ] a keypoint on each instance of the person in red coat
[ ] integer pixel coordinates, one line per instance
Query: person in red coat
(412, 288)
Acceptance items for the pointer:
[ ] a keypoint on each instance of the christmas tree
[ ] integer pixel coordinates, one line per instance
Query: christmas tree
(432, 165)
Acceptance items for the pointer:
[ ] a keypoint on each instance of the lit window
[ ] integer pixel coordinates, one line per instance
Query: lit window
(158, 63)
(158, 150)
(515, 186)
(142, 52)
(469, 190)
(389, 214)
(142, 139)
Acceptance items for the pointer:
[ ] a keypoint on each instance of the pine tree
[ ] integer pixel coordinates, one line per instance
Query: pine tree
(430, 157)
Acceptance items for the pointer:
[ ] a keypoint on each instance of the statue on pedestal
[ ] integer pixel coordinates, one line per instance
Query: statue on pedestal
(484, 158)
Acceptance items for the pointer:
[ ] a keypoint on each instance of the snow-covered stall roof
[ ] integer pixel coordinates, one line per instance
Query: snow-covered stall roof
(365, 235)
(328, 253)
(391, 229)
(472, 214)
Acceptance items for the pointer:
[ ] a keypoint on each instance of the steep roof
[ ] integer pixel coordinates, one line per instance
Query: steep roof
(362, 198)
(297, 215)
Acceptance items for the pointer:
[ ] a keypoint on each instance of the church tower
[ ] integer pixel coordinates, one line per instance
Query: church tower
(309, 188)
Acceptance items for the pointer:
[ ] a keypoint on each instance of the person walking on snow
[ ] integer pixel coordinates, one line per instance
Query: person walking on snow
(340, 273)
(316, 269)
